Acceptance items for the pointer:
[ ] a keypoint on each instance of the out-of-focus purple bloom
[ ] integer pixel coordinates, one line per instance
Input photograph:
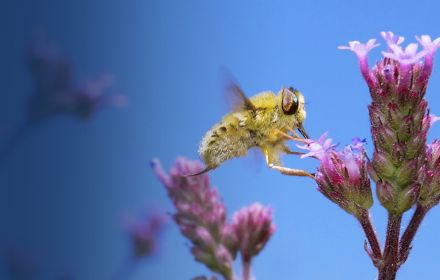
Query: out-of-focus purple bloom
(342, 176)
(55, 89)
(430, 190)
(144, 234)
(253, 227)
(201, 215)
(317, 149)
(20, 265)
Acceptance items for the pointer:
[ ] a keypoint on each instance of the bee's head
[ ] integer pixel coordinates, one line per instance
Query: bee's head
(292, 106)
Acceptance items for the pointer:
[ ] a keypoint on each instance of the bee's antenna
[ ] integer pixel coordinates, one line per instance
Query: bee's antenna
(199, 173)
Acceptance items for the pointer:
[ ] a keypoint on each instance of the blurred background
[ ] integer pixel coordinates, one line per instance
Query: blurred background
(91, 91)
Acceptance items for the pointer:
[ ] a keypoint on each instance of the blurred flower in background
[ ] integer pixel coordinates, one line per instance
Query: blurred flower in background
(20, 264)
(57, 93)
(55, 89)
(144, 233)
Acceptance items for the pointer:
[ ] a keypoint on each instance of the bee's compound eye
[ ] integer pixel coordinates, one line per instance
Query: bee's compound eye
(290, 102)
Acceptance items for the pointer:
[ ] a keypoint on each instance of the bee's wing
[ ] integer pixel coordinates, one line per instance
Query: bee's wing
(235, 96)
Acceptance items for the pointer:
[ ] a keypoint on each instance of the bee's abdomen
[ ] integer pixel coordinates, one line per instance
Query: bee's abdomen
(224, 141)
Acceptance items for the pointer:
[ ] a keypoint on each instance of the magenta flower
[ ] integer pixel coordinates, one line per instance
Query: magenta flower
(399, 119)
(428, 44)
(144, 234)
(342, 176)
(253, 227)
(405, 171)
(361, 51)
(201, 215)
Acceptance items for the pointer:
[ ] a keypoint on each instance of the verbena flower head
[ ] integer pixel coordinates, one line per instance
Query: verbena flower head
(399, 119)
(253, 227)
(430, 190)
(144, 234)
(342, 175)
(201, 215)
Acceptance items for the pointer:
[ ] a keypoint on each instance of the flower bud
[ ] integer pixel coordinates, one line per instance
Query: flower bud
(253, 228)
(430, 190)
(342, 175)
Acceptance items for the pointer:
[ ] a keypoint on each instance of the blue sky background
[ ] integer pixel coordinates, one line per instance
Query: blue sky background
(65, 187)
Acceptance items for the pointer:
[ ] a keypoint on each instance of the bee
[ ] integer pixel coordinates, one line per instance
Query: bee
(262, 121)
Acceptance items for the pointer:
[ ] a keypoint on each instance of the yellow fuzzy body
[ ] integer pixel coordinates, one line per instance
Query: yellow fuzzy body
(243, 129)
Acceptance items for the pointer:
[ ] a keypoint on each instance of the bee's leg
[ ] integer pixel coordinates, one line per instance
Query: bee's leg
(292, 171)
(298, 139)
(293, 132)
(284, 170)
(289, 152)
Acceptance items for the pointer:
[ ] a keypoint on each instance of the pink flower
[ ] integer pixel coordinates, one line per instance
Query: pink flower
(406, 56)
(342, 175)
(361, 50)
(253, 227)
(201, 215)
(390, 38)
(428, 44)
(318, 149)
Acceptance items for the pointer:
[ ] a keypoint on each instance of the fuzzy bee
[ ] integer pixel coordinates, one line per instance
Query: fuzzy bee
(262, 121)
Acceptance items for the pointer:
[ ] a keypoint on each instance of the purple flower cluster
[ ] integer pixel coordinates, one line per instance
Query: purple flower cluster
(201, 217)
(399, 116)
(342, 175)
(405, 169)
